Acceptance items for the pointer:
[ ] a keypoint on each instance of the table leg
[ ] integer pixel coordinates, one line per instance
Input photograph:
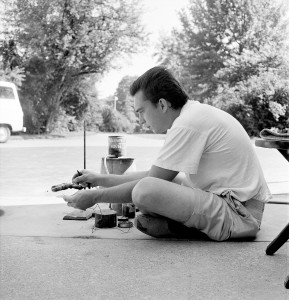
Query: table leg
(285, 153)
(281, 239)
(286, 282)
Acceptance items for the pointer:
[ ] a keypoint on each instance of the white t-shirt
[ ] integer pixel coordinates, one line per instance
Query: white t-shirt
(215, 152)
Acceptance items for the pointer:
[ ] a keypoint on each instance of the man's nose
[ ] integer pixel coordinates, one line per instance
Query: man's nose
(141, 120)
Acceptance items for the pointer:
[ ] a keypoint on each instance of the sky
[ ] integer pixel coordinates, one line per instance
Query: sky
(159, 17)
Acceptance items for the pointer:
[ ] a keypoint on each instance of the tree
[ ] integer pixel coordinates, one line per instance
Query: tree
(68, 41)
(212, 32)
(125, 103)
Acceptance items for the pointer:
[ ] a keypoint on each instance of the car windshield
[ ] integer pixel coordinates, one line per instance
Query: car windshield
(6, 92)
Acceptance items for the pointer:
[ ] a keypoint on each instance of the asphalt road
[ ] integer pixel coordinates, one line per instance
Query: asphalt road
(28, 168)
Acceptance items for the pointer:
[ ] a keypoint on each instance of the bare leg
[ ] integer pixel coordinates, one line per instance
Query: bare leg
(165, 206)
(159, 197)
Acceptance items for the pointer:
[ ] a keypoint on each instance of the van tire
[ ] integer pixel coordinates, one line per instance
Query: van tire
(5, 133)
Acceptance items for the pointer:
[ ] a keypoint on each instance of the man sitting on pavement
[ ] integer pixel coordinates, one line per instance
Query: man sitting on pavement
(206, 178)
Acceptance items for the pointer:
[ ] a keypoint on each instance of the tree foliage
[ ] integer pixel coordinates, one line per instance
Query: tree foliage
(210, 31)
(61, 43)
(125, 103)
(15, 75)
(260, 102)
(9, 63)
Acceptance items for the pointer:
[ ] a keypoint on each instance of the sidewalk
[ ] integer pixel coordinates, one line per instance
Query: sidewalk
(60, 259)
(46, 257)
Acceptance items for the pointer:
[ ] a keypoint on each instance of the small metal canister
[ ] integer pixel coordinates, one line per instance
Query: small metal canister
(128, 210)
(116, 146)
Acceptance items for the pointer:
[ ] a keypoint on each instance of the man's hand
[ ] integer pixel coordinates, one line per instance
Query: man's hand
(83, 199)
(85, 178)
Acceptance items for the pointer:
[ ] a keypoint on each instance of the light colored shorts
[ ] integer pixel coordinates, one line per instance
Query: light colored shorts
(223, 217)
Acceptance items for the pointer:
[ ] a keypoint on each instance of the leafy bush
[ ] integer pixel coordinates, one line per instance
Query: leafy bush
(260, 102)
(113, 121)
(245, 116)
(64, 123)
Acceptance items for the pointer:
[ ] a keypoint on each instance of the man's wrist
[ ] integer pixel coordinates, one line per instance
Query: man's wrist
(97, 195)
(100, 180)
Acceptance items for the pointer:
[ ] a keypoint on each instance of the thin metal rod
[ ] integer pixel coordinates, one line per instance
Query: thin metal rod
(278, 202)
(84, 145)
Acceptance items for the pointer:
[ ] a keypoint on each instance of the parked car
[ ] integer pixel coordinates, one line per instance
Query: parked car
(11, 114)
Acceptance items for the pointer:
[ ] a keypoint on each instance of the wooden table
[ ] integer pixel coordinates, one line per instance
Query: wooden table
(283, 147)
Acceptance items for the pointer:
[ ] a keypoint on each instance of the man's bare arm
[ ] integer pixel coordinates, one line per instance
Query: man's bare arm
(162, 173)
(106, 180)
(109, 180)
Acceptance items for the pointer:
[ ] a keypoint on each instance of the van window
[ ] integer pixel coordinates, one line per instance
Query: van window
(6, 93)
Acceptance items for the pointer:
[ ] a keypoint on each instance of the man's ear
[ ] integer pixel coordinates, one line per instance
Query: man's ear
(163, 104)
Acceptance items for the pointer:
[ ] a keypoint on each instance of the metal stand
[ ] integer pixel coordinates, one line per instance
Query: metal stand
(277, 243)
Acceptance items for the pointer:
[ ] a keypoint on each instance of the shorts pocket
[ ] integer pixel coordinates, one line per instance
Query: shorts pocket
(236, 206)
(241, 209)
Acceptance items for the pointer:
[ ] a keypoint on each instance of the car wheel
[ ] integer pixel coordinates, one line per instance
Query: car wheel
(4, 133)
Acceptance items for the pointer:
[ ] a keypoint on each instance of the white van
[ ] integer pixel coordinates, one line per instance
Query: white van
(11, 114)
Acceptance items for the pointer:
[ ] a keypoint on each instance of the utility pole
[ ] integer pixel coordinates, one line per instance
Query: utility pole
(114, 102)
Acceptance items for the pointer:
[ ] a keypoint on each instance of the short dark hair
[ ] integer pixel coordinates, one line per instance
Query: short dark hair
(157, 83)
